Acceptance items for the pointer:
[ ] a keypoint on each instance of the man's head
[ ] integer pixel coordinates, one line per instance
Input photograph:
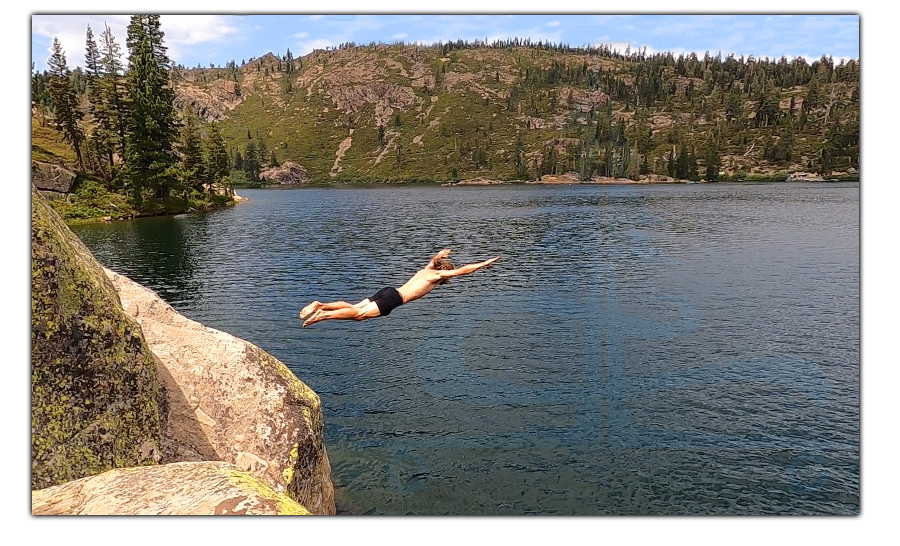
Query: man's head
(443, 265)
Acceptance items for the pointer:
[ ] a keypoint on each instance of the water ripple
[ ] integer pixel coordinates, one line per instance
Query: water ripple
(637, 350)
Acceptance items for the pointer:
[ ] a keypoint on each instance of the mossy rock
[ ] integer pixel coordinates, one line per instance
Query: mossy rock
(192, 488)
(95, 395)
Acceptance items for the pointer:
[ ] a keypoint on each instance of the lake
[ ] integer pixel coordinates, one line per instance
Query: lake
(666, 349)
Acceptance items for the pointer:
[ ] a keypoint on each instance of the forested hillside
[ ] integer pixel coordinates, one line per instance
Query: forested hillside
(510, 110)
(516, 110)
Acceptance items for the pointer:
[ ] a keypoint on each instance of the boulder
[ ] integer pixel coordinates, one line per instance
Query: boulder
(201, 488)
(479, 182)
(288, 173)
(229, 400)
(804, 177)
(565, 178)
(95, 393)
(51, 178)
(657, 179)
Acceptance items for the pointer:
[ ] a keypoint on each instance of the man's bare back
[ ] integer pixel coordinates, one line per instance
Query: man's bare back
(438, 271)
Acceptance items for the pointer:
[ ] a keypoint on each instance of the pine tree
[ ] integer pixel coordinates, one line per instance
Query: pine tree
(262, 152)
(713, 161)
(251, 162)
(521, 170)
(114, 92)
(733, 106)
(65, 104)
(289, 59)
(153, 128)
(681, 163)
(215, 157)
(192, 165)
(99, 139)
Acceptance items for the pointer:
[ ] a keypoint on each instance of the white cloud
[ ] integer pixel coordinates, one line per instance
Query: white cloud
(553, 24)
(301, 35)
(315, 17)
(188, 30)
(400, 36)
(307, 47)
(181, 31)
(70, 30)
(194, 29)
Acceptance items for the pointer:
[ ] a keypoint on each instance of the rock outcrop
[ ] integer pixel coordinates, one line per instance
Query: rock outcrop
(48, 177)
(804, 177)
(229, 400)
(203, 488)
(476, 182)
(656, 179)
(288, 173)
(210, 104)
(95, 394)
(122, 381)
(387, 97)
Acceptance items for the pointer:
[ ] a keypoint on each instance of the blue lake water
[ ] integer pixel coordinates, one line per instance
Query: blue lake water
(636, 350)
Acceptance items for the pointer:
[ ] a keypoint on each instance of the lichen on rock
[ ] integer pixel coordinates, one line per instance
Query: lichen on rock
(95, 394)
(229, 400)
(186, 488)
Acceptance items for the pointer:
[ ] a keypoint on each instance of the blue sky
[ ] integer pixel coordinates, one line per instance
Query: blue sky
(217, 39)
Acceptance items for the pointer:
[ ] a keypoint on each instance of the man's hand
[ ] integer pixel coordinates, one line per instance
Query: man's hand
(487, 263)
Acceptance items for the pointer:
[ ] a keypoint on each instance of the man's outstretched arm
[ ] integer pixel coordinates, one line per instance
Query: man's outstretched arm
(466, 269)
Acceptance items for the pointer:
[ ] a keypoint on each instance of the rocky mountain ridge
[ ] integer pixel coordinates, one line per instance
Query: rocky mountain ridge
(438, 113)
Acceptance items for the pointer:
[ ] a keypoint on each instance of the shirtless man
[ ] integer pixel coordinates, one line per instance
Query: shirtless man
(438, 271)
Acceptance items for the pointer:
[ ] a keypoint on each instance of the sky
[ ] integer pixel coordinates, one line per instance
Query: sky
(208, 38)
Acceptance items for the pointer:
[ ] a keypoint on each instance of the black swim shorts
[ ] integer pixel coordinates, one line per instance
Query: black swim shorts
(387, 299)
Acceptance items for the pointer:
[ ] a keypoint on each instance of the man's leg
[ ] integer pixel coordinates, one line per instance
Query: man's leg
(358, 312)
(316, 305)
(335, 305)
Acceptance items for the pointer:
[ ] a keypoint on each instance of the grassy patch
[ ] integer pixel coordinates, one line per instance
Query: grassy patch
(47, 144)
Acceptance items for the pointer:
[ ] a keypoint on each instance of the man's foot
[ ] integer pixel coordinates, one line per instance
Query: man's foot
(316, 317)
(310, 309)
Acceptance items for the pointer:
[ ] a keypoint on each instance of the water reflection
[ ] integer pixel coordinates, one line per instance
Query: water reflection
(162, 253)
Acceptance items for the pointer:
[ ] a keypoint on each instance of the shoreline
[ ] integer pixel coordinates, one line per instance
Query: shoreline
(617, 182)
(105, 219)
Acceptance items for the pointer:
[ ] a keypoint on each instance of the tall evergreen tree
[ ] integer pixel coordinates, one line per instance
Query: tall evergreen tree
(192, 166)
(262, 152)
(98, 141)
(65, 104)
(153, 128)
(251, 162)
(713, 161)
(215, 157)
(114, 93)
(91, 65)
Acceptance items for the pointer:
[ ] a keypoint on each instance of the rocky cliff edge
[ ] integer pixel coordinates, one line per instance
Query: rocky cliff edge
(133, 404)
